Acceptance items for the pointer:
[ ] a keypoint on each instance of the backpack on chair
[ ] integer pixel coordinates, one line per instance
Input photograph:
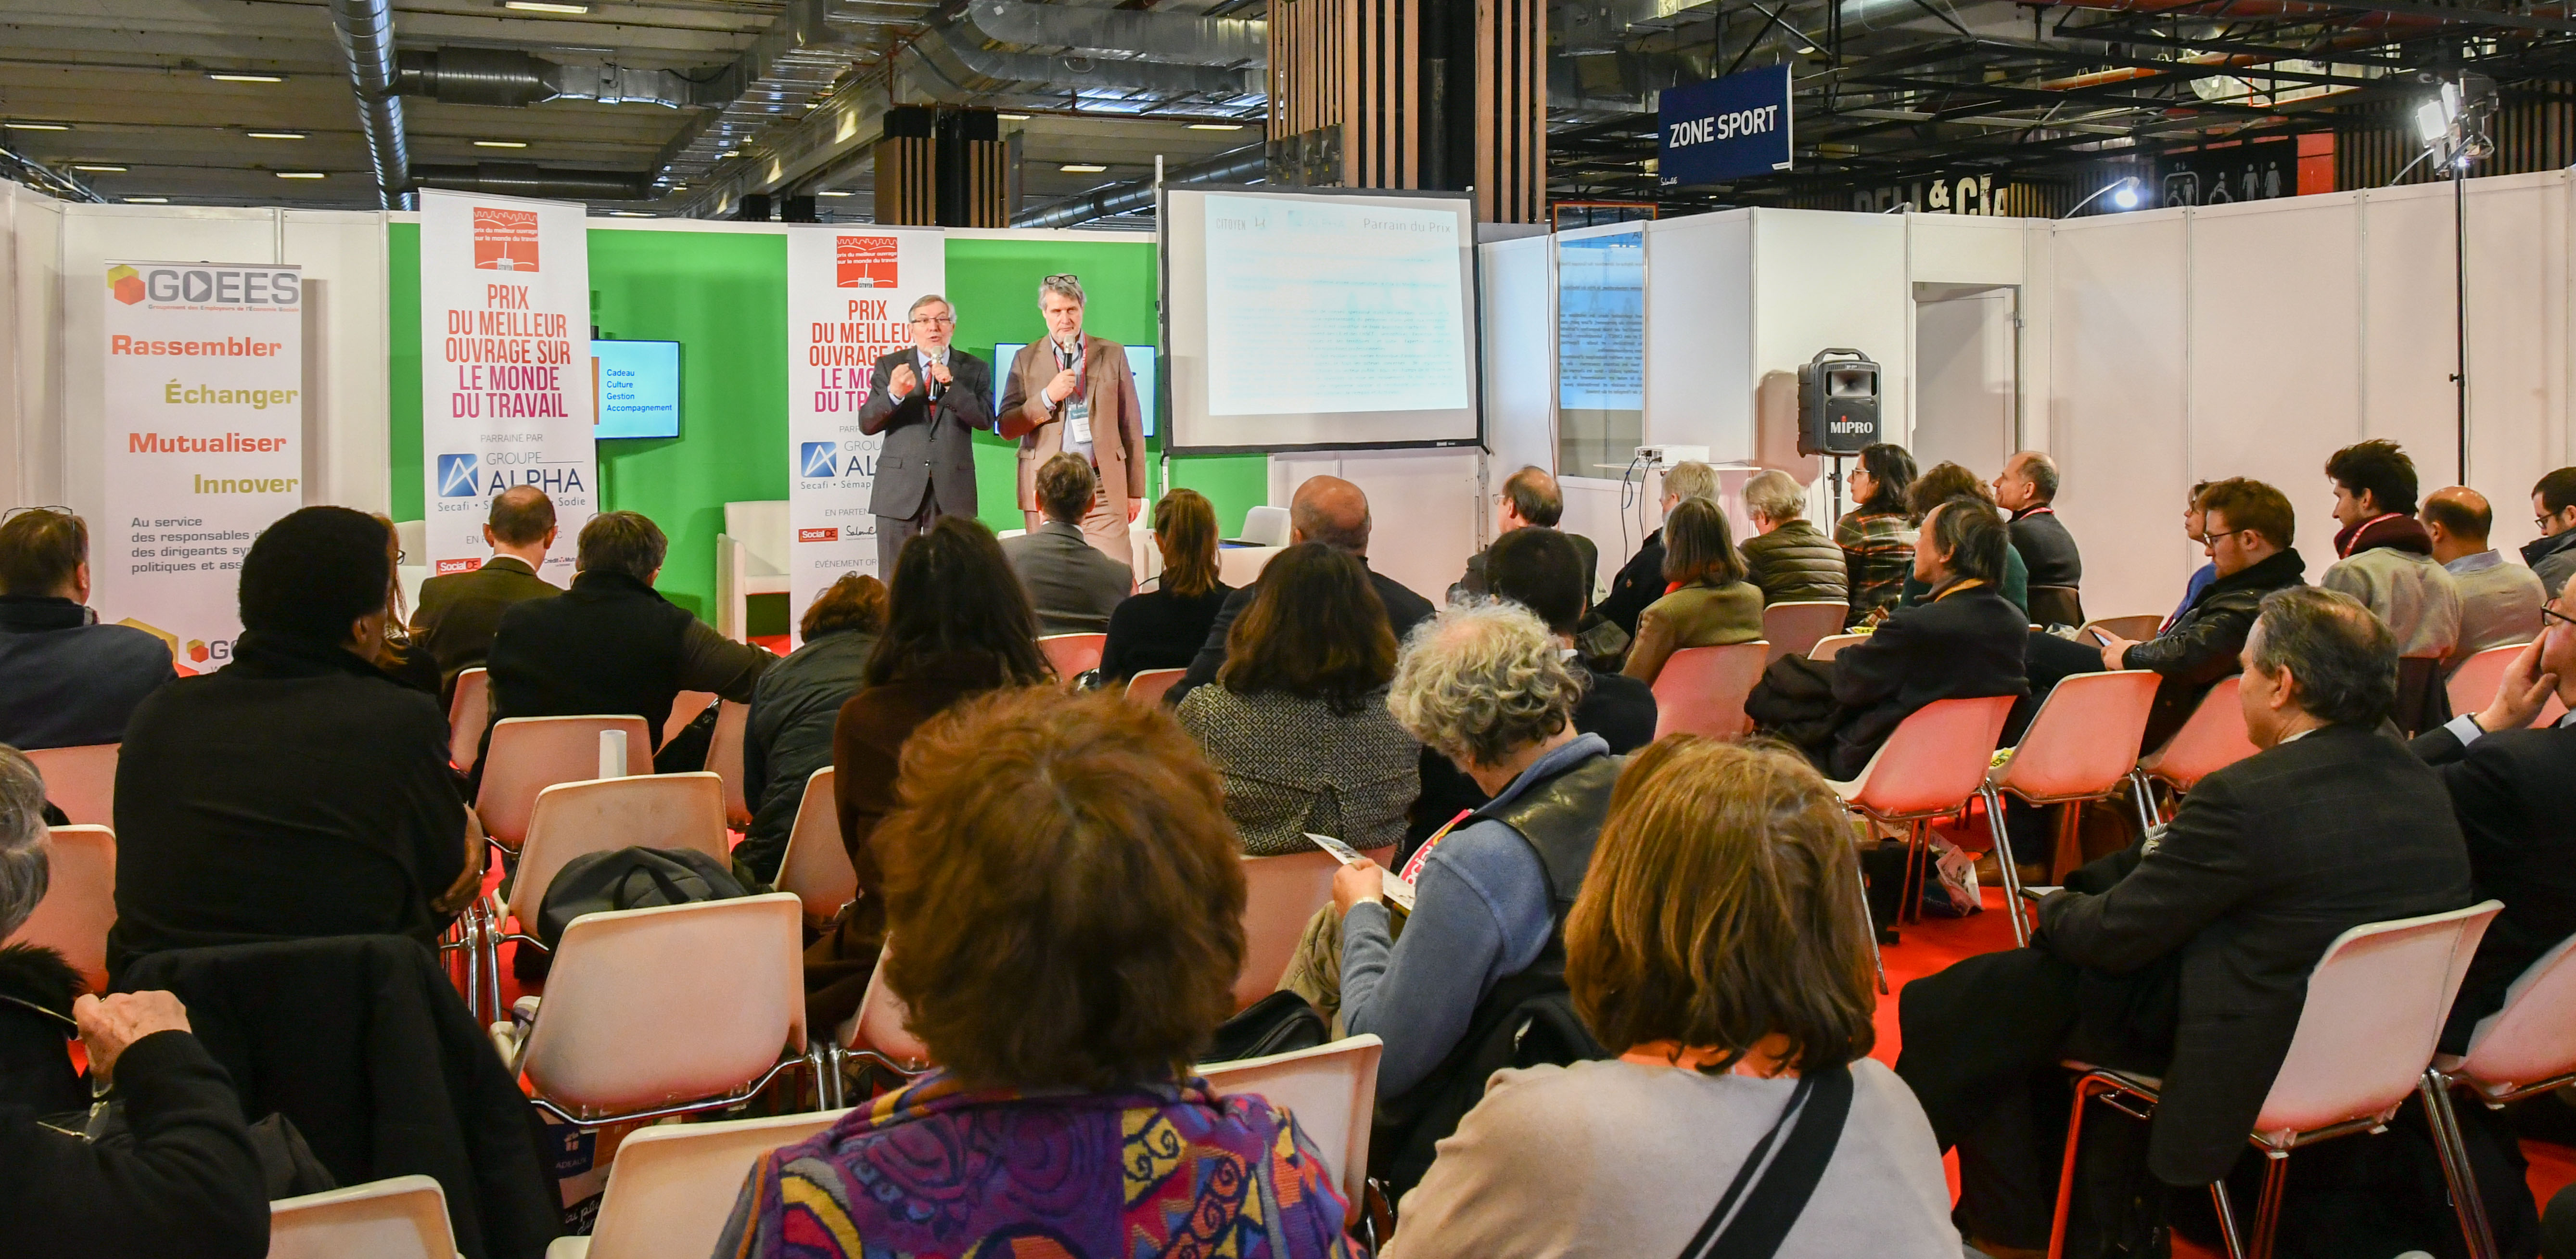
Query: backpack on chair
(631, 878)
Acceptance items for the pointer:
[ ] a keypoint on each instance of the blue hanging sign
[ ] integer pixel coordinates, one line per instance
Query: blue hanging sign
(1729, 128)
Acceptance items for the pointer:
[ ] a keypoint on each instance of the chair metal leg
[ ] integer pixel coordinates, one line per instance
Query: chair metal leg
(1860, 880)
(2004, 862)
(1917, 849)
(2267, 1213)
(2475, 1229)
(2085, 1087)
(2142, 793)
(492, 964)
(2229, 1235)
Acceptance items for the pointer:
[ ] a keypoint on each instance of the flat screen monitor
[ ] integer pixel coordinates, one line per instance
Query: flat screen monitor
(637, 386)
(1140, 360)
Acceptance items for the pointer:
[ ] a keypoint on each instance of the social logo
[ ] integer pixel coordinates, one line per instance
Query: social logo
(125, 283)
(458, 566)
(456, 477)
(815, 459)
(827, 534)
(866, 262)
(505, 240)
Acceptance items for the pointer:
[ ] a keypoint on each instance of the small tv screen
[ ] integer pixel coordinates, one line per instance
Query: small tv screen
(637, 387)
(1140, 360)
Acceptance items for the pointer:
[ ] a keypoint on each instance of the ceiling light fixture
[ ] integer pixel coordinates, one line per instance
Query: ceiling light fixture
(1012, 117)
(103, 170)
(1216, 126)
(147, 201)
(633, 214)
(274, 135)
(234, 76)
(544, 6)
(1081, 168)
(302, 174)
(500, 144)
(834, 194)
(37, 126)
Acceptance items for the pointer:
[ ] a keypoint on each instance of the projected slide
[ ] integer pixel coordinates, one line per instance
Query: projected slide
(1305, 320)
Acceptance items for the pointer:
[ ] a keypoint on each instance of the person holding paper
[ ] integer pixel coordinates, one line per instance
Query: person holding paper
(1074, 392)
(926, 401)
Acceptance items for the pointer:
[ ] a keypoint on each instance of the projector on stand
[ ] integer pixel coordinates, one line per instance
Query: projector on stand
(1661, 457)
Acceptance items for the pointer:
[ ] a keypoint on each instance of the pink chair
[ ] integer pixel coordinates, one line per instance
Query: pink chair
(1149, 686)
(2473, 685)
(1073, 654)
(530, 754)
(876, 1035)
(468, 712)
(2524, 1049)
(816, 866)
(404, 1217)
(672, 1186)
(2374, 1010)
(1281, 896)
(2212, 739)
(2082, 746)
(1701, 690)
(724, 756)
(685, 708)
(1932, 764)
(1331, 1091)
(1794, 629)
(80, 781)
(1832, 645)
(79, 904)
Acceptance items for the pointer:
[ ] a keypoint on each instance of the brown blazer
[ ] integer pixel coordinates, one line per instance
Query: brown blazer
(1117, 427)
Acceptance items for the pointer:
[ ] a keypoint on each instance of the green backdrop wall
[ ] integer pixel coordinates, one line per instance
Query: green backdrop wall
(723, 297)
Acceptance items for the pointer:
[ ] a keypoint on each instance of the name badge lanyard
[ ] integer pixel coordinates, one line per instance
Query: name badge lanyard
(1077, 406)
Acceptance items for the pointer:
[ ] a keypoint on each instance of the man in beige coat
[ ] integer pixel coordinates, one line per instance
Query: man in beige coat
(1070, 392)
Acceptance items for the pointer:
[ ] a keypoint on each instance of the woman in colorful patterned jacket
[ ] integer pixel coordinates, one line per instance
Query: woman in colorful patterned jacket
(1064, 900)
(1877, 537)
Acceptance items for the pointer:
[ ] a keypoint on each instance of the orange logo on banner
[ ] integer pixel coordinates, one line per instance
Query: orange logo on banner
(125, 284)
(866, 262)
(505, 240)
(832, 534)
(458, 566)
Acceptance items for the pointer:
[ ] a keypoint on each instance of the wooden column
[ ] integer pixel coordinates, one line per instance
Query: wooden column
(907, 168)
(1413, 94)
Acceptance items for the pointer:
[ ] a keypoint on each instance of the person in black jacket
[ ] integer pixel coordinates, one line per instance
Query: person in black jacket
(65, 679)
(1530, 497)
(2028, 489)
(1163, 628)
(787, 735)
(1640, 581)
(299, 791)
(2187, 955)
(459, 612)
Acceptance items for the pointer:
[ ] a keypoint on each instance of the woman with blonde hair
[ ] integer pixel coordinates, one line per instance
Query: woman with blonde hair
(1719, 940)
(1163, 628)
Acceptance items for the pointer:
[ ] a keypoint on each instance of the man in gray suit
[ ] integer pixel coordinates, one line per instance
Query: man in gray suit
(927, 401)
(1071, 585)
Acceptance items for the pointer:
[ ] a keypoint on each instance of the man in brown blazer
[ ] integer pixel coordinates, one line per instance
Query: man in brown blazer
(1073, 392)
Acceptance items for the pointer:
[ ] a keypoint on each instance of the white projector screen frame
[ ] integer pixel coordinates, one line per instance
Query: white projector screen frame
(1195, 429)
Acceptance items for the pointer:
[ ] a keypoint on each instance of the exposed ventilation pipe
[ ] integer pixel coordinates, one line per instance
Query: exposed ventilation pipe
(1234, 166)
(1059, 73)
(527, 179)
(1128, 33)
(509, 77)
(366, 32)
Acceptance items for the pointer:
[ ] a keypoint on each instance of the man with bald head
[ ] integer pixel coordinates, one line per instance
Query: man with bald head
(2499, 602)
(1530, 497)
(460, 611)
(1332, 511)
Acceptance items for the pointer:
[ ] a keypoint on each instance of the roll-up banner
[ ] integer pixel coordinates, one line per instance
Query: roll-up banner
(847, 297)
(505, 370)
(204, 391)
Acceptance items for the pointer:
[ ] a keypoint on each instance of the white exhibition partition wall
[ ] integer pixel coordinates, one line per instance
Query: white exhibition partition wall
(1423, 507)
(1519, 353)
(2117, 418)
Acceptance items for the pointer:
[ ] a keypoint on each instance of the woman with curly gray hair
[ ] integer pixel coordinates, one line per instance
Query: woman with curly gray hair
(1487, 687)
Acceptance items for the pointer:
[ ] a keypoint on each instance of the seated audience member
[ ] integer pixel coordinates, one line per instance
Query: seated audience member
(1946, 481)
(1790, 559)
(1541, 570)
(65, 680)
(1163, 628)
(1326, 510)
(1530, 497)
(2187, 956)
(460, 612)
(37, 986)
(1728, 1019)
(1640, 581)
(298, 791)
(2552, 555)
(1877, 536)
(2195, 528)
(2385, 559)
(1710, 604)
(787, 735)
(397, 655)
(1063, 855)
(957, 625)
(2248, 530)
(612, 643)
(1486, 687)
(1296, 724)
(1072, 585)
(2499, 602)
(2028, 489)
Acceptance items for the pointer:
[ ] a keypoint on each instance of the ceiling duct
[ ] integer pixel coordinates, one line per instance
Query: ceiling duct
(509, 77)
(365, 29)
(1140, 34)
(527, 179)
(1243, 165)
(1072, 71)
(802, 53)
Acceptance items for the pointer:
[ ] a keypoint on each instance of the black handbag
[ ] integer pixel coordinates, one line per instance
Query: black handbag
(1769, 1193)
(1276, 1024)
(630, 878)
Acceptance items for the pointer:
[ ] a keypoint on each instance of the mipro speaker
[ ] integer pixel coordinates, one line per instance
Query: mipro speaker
(1837, 403)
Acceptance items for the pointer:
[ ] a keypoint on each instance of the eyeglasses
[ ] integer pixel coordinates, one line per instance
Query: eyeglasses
(934, 319)
(2212, 536)
(2548, 614)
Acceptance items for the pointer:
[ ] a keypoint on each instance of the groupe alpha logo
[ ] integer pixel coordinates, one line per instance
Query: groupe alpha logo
(832, 461)
(463, 476)
(457, 477)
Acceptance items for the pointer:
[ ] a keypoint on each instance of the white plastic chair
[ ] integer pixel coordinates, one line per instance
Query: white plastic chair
(2526, 1048)
(1265, 526)
(1832, 645)
(401, 1218)
(2374, 1010)
(685, 708)
(2081, 746)
(2473, 685)
(468, 712)
(876, 1034)
(816, 867)
(530, 754)
(751, 559)
(1240, 566)
(1933, 763)
(1150, 685)
(672, 1187)
(724, 758)
(79, 904)
(1701, 690)
(1281, 894)
(1794, 628)
(80, 781)
(1330, 1090)
(666, 1011)
(1073, 654)
(2210, 740)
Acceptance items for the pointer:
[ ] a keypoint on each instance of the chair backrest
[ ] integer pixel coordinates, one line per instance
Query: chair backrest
(401, 1218)
(685, 708)
(80, 781)
(605, 814)
(80, 902)
(1794, 629)
(1280, 895)
(1266, 526)
(816, 867)
(724, 757)
(1149, 686)
(1330, 1090)
(672, 1187)
(1701, 690)
(2473, 685)
(2533, 1037)
(468, 712)
(1935, 759)
(2212, 739)
(530, 754)
(2137, 629)
(1240, 566)
(1073, 653)
(2375, 1007)
(879, 1023)
(1832, 645)
(647, 1007)
(2085, 738)
(761, 527)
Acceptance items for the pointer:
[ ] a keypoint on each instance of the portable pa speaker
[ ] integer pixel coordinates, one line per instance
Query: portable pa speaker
(1837, 403)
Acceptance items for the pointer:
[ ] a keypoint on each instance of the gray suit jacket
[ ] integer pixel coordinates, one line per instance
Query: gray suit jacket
(1071, 585)
(929, 447)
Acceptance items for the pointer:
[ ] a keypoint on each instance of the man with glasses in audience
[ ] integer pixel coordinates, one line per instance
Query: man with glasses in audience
(2553, 508)
(926, 402)
(65, 679)
(1071, 392)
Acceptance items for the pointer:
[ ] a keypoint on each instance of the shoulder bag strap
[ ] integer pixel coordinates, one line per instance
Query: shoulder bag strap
(1770, 1192)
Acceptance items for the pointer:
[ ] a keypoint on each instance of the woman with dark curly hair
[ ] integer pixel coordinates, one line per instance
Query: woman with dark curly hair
(1877, 537)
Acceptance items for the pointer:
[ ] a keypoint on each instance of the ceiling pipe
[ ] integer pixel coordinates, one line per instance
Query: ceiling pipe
(510, 77)
(366, 32)
(1233, 166)
(45, 179)
(527, 179)
(1073, 71)
(1142, 34)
